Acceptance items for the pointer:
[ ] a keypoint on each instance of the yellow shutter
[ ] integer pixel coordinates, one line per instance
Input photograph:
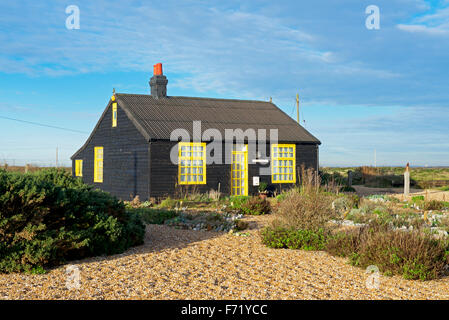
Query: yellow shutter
(79, 168)
(98, 164)
(114, 114)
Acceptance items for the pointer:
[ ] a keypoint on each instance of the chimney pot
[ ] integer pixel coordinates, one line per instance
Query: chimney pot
(157, 69)
(158, 82)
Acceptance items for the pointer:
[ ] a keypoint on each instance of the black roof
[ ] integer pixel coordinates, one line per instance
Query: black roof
(157, 118)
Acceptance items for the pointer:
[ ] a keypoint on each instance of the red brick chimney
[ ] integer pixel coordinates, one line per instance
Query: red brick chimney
(158, 82)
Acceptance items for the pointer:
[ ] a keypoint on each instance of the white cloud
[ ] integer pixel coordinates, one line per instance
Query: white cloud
(436, 23)
(233, 52)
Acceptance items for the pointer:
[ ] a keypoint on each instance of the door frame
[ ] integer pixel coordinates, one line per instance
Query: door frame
(245, 180)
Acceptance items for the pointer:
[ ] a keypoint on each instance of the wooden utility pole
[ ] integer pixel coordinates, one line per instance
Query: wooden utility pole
(297, 106)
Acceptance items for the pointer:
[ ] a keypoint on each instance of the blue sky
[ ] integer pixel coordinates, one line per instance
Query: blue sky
(360, 90)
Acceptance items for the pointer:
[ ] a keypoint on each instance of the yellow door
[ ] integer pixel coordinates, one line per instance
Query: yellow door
(239, 171)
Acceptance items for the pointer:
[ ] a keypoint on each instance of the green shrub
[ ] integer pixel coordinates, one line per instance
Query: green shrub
(49, 217)
(154, 216)
(263, 187)
(344, 244)
(281, 197)
(417, 198)
(236, 202)
(168, 203)
(294, 239)
(255, 206)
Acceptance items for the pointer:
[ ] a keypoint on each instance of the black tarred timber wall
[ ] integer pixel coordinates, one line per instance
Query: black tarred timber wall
(125, 163)
(306, 154)
(164, 174)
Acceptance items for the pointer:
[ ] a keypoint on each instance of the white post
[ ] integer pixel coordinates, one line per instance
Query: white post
(407, 180)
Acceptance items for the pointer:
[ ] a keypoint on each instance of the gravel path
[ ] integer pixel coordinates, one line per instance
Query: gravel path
(186, 264)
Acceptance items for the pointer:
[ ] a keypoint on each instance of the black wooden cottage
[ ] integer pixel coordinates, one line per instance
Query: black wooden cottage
(128, 152)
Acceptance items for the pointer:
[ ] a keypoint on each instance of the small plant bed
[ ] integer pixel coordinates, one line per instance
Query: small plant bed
(201, 212)
(248, 205)
(154, 215)
(429, 216)
(400, 238)
(207, 221)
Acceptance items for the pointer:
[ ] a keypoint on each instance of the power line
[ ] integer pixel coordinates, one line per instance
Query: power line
(43, 125)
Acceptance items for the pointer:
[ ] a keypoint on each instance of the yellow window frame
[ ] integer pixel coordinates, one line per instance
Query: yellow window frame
(114, 114)
(239, 172)
(191, 163)
(283, 163)
(78, 168)
(98, 164)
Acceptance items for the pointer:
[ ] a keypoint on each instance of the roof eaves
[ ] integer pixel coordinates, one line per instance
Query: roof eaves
(133, 118)
(129, 115)
(92, 133)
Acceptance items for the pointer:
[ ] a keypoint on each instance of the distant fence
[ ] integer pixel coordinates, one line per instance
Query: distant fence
(31, 168)
(432, 184)
(34, 163)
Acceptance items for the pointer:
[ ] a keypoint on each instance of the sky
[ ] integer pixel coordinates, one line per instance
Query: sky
(372, 96)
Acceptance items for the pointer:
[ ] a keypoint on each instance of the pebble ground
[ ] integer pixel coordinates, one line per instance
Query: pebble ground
(187, 264)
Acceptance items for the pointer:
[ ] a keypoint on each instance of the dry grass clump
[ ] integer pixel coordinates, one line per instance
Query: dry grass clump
(305, 210)
(434, 205)
(307, 207)
(414, 255)
(214, 195)
(255, 206)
